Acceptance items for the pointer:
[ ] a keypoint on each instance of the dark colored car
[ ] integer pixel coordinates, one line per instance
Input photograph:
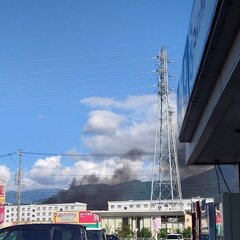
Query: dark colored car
(44, 232)
(112, 237)
(95, 234)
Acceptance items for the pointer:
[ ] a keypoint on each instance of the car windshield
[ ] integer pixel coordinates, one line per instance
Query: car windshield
(42, 233)
(26, 234)
(95, 235)
(112, 237)
(174, 236)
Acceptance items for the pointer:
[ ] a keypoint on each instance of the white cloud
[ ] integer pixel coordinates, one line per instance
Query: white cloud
(50, 173)
(103, 121)
(131, 102)
(114, 133)
(41, 116)
(112, 127)
(5, 173)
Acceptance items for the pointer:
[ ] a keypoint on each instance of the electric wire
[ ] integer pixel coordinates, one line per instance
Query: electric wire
(71, 68)
(85, 155)
(57, 77)
(77, 81)
(82, 56)
(79, 97)
(7, 154)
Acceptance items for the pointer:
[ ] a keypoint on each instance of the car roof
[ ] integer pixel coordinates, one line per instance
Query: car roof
(92, 228)
(43, 225)
(174, 234)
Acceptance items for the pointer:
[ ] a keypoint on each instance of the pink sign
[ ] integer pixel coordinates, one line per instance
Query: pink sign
(1, 214)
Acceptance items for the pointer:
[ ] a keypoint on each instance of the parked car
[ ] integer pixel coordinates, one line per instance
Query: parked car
(112, 237)
(44, 232)
(174, 236)
(95, 234)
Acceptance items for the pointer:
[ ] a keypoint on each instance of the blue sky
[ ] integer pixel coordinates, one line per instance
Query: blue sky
(76, 76)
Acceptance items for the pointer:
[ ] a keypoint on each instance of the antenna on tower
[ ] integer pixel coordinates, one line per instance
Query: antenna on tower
(166, 186)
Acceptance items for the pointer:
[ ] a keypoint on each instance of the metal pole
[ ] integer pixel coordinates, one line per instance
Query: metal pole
(19, 184)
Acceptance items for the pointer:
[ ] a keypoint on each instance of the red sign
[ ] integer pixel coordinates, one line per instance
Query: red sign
(88, 217)
(2, 190)
(2, 193)
(1, 214)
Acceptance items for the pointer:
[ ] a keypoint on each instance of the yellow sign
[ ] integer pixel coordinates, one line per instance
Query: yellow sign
(2, 194)
(66, 217)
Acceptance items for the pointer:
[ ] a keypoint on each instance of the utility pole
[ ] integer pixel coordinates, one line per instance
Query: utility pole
(19, 184)
(166, 185)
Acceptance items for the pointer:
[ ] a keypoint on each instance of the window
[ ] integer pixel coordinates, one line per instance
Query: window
(23, 214)
(131, 206)
(55, 208)
(50, 208)
(28, 209)
(145, 205)
(33, 210)
(28, 214)
(138, 205)
(7, 210)
(72, 207)
(50, 219)
(38, 208)
(66, 207)
(119, 206)
(50, 214)
(12, 209)
(44, 214)
(44, 208)
(44, 219)
(38, 214)
(23, 209)
(125, 208)
(12, 214)
(33, 215)
(38, 219)
(112, 206)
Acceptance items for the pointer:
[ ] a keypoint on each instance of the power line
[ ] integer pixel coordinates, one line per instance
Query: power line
(71, 101)
(72, 68)
(100, 155)
(7, 154)
(77, 81)
(76, 75)
(82, 56)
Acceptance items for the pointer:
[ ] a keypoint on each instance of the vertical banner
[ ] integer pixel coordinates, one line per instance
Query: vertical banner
(1, 214)
(155, 226)
(2, 193)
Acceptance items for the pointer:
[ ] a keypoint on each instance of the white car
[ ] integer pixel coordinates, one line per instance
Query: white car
(174, 236)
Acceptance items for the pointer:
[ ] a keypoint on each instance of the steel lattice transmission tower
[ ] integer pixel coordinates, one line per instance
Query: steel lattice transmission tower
(165, 178)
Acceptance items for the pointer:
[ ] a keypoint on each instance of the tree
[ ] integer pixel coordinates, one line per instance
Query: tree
(187, 232)
(124, 231)
(163, 233)
(144, 233)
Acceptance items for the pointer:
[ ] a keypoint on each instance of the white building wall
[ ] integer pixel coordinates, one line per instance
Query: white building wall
(39, 213)
(144, 205)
